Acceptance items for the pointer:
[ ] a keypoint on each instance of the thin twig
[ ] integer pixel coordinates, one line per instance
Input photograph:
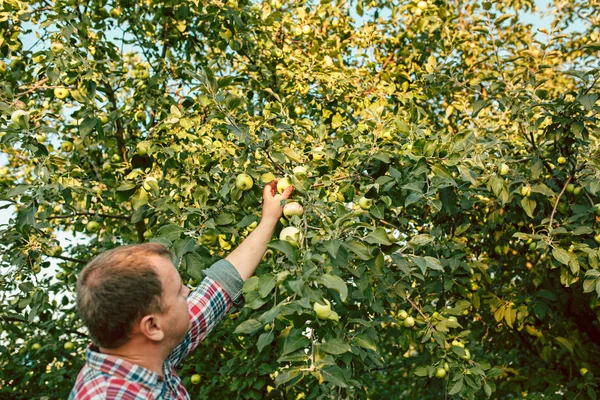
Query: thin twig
(556, 203)
(88, 213)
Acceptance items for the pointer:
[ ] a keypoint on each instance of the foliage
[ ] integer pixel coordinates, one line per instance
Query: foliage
(476, 138)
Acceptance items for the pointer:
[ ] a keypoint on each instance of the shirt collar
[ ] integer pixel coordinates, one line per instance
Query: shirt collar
(115, 366)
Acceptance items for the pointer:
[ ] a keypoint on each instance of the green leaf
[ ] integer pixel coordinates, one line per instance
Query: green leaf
(285, 247)
(494, 372)
(294, 341)
(126, 185)
(528, 206)
(487, 389)
(266, 283)
(332, 247)
(264, 340)
(421, 240)
(249, 326)
(335, 347)
(287, 375)
(139, 198)
(335, 375)
(378, 236)
(334, 282)
(561, 255)
(365, 342)
(457, 387)
(421, 371)
(170, 232)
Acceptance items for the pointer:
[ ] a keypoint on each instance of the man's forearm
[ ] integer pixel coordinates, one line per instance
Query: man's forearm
(246, 257)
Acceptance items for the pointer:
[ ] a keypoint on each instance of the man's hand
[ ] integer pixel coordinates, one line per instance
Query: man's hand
(247, 255)
(272, 209)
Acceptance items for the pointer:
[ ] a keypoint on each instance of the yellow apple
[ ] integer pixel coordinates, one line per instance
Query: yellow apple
(244, 182)
(323, 311)
(282, 184)
(290, 234)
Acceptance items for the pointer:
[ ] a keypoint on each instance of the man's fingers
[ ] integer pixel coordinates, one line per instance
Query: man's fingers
(270, 189)
(287, 192)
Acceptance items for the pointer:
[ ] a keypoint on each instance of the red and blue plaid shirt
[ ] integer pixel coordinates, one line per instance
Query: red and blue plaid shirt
(109, 377)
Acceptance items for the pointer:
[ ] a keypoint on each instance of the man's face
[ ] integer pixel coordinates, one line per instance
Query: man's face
(176, 316)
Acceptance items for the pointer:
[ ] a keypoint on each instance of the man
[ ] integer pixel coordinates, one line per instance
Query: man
(143, 321)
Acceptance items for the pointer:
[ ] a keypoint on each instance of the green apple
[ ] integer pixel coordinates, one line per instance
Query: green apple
(36, 346)
(92, 226)
(306, 29)
(570, 188)
(422, 4)
(577, 191)
(20, 117)
(57, 47)
(67, 146)
(365, 203)
(409, 322)
(148, 234)
(56, 250)
(20, 105)
(318, 154)
(3, 67)
(583, 371)
(106, 167)
(282, 184)
(115, 12)
(290, 234)
(561, 160)
(104, 118)
(69, 346)
(532, 246)
(323, 311)
(115, 158)
(402, 315)
(195, 379)
(267, 328)
(504, 169)
(244, 182)
(597, 238)
(597, 206)
(297, 31)
(440, 373)
(140, 116)
(446, 367)
(293, 208)
(61, 93)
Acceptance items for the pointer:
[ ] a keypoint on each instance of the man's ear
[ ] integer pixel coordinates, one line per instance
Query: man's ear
(151, 329)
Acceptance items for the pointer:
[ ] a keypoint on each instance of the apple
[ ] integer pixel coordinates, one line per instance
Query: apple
(570, 188)
(3, 67)
(298, 110)
(306, 29)
(583, 371)
(115, 12)
(293, 208)
(115, 158)
(103, 118)
(140, 116)
(323, 311)
(20, 105)
(402, 315)
(300, 171)
(290, 234)
(92, 226)
(282, 184)
(57, 47)
(297, 31)
(446, 367)
(69, 346)
(440, 373)
(422, 4)
(561, 160)
(195, 379)
(409, 322)
(504, 169)
(20, 117)
(597, 238)
(61, 93)
(67, 146)
(56, 250)
(577, 191)
(365, 203)
(36, 346)
(597, 206)
(532, 246)
(244, 182)
(148, 234)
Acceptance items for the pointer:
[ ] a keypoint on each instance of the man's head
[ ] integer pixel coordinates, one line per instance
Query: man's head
(130, 290)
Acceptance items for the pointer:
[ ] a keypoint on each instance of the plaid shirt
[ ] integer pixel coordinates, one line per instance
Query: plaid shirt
(110, 377)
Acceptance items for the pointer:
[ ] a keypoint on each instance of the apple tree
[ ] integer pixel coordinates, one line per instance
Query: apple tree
(446, 163)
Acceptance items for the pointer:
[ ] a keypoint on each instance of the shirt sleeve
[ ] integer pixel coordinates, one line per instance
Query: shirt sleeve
(208, 303)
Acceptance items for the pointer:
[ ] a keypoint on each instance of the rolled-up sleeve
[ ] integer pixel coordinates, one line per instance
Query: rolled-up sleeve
(208, 303)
